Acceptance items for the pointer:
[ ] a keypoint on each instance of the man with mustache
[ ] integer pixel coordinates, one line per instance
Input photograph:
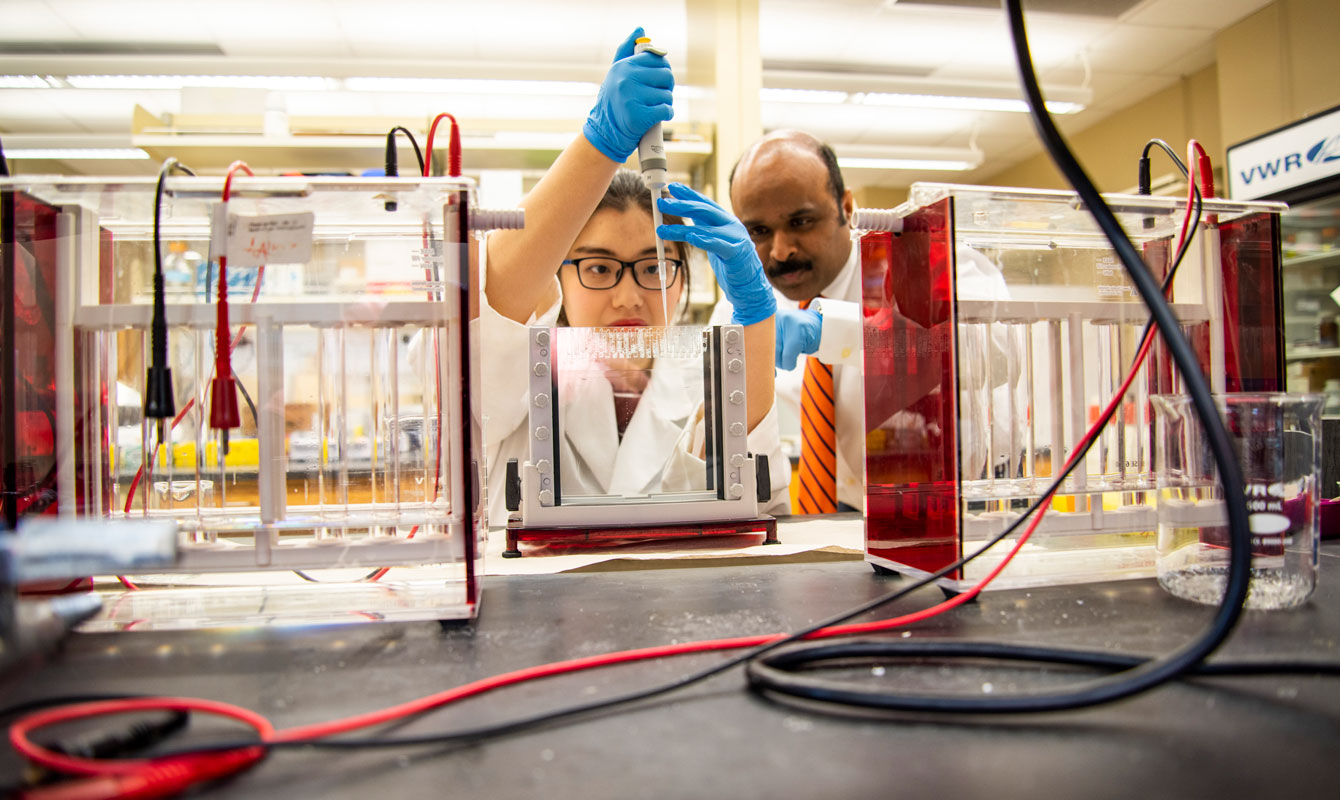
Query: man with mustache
(788, 192)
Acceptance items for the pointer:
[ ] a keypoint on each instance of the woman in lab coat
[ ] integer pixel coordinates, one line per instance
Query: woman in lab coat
(638, 431)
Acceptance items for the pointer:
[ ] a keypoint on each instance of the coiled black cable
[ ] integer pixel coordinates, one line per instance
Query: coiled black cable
(774, 673)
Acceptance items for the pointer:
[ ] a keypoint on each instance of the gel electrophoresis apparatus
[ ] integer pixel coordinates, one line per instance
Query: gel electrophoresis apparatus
(350, 488)
(997, 323)
(701, 481)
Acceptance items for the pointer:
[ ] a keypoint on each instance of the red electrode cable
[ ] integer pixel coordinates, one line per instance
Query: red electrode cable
(453, 170)
(209, 768)
(453, 148)
(1196, 155)
(223, 355)
(223, 392)
(138, 776)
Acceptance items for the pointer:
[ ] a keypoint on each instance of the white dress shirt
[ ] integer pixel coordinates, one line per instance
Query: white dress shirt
(839, 345)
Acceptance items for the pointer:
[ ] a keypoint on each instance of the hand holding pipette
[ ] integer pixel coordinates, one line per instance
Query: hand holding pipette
(635, 95)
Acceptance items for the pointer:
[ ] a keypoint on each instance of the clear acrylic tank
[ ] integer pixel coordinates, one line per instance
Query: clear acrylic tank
(350, 490)
(691, 476)
(998, 323)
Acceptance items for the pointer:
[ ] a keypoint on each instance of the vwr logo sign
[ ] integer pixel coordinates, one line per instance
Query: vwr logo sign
(1306, 153)
(1320, 153)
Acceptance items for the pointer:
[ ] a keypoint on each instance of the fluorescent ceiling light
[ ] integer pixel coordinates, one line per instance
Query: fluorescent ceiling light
(293, 83)
(812, 96)
(79, 153)
(911, 92)
(26, 82)
(908, 158)
(1063, 107)
(472, 86)
(961, 103)
(906, 163)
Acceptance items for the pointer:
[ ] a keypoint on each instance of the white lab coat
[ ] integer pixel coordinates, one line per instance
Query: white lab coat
(656, 453)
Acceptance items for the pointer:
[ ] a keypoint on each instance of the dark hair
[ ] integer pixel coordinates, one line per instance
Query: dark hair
(836, 186)
(626, 191)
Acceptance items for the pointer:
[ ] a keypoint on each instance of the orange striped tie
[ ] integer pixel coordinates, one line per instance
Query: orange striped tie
(818, 439)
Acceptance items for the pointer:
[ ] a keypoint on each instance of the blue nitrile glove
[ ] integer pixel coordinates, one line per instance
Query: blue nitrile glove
(636, 94)
(797, 332)
(729, 250)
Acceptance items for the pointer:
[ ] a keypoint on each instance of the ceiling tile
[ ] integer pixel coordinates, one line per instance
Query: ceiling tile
(531, 30)
(128, 20)
(1190, 62)
(293, 29)
(1208, 14)
(33, 20)
(1118, 99)
(908, 37)
(1110, 9)
(1139, 48)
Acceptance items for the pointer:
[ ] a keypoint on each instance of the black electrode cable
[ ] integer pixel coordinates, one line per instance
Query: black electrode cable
(1144, 181)
(927, 649)
(525, 723)
(159, 402)
(392, 167)
(9, 789)
(1145, 673)
(1230, 476)
(764, 674)
(780, 672)
(772, 672)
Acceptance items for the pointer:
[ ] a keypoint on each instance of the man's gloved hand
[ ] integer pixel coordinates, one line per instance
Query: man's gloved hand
(797, 332)
(635, 95)
(729, 250)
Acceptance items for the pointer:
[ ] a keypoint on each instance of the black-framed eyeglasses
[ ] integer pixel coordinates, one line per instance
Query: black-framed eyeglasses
(603, 272)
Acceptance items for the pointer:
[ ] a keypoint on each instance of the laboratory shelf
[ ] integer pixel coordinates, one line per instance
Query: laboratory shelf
(1324, 258)
(1311, 353)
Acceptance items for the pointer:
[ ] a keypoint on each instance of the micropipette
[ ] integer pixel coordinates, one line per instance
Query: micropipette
(651, 157)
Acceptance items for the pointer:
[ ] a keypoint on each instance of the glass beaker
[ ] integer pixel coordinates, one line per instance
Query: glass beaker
(1277, 436)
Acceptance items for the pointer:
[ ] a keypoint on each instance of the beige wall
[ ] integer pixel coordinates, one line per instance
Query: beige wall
(1276, 66)
(1110, 149)
(878, 197)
